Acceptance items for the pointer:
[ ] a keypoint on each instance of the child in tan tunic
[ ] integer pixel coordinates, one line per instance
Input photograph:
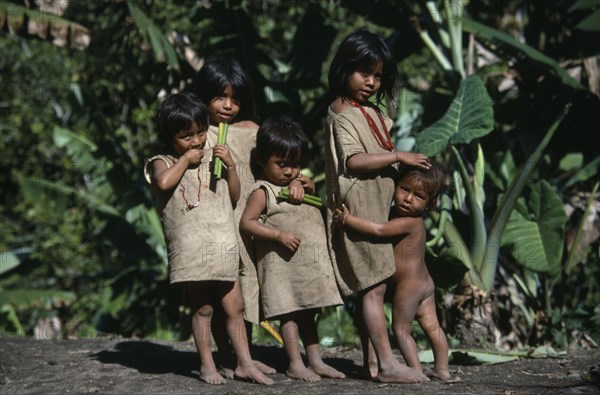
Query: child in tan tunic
(416, 192)
(191, 209)
(360, 168)
(294, 269)
(223, 85)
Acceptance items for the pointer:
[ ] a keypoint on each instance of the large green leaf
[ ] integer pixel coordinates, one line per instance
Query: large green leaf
(24, 298)
(55, 196)
(591, 23)
(537, 242)
(470, 116)
(146, 221)
(163, 51)
(507, 45)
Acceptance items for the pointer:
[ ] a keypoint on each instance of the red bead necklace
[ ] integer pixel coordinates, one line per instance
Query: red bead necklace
(188, 205)
(383, 139)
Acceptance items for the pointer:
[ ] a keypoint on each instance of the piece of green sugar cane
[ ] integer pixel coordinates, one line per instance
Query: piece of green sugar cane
(221, 139)
(316, 199)
(308, 199)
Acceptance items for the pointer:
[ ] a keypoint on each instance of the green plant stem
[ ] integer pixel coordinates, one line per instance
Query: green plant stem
(442, 218)
(479, 237)
(506, 205)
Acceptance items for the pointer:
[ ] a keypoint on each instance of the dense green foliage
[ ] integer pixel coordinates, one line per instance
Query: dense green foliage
(82, 241)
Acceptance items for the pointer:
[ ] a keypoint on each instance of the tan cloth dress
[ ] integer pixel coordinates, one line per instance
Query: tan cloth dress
(240, 142)
(202, 242)
(294, 281)
(359, 261)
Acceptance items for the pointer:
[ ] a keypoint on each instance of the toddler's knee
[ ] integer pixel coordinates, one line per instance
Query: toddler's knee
(205, 311)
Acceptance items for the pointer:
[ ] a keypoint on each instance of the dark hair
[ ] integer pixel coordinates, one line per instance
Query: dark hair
(213, 78)
(178, 112)
(282, 137)
(433, 180)
(360, 51)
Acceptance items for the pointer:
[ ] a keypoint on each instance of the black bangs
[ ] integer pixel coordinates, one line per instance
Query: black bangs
(281, 137)
(213, 78)
(178, 112)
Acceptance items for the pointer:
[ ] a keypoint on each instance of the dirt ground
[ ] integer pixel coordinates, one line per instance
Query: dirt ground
(120, 366)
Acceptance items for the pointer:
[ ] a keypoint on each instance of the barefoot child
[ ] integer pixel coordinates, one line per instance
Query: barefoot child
(360, 167)
(223, 85)
(294, 270)
(416, 192)
(190, 212)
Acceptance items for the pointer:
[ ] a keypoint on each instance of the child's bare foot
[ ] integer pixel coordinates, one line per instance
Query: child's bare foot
(211, 376)
(228, 373)
(265, 369)
(251, 373)
(325, 370)
(301, 372)
(401, 374)
(438, 374)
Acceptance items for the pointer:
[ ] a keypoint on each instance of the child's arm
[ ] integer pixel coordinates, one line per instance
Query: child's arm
(166, 178)
(257, 201)
(364, 163)
(395, 227)
(233, 182)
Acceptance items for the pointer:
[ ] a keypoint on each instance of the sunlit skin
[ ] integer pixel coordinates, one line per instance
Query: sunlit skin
(224, 108)
(412, 284)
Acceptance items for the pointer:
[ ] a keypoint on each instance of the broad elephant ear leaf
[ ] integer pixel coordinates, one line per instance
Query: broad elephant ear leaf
(469, 116)
(536, 241)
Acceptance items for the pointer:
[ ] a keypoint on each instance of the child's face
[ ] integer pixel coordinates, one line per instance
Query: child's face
(192, 138)
(364, 84)
(224, 108)
(411, 197)
(281, 171)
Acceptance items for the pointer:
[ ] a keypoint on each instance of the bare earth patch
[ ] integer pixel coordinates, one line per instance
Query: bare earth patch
(119, 366)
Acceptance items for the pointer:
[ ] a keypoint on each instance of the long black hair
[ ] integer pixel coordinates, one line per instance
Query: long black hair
(213, 78)
(361, 51)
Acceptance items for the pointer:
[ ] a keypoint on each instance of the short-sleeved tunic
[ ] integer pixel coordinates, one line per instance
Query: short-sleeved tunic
(240, 142)
(201, 242)
(359, 261)
(294, 281)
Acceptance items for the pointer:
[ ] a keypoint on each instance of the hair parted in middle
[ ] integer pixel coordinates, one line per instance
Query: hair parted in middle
(361, 51)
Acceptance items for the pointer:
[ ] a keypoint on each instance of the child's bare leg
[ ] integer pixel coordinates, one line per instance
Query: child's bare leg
(202, 315)
(310, 338)
(233, 304)
(427, 317)
(290, 334)
(390, 369)
(370, 367)
(225, 352)
(404, 306)
(266, 369)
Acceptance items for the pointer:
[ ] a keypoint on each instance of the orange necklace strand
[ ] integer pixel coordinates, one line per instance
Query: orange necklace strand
(188, 205)
(384, 141)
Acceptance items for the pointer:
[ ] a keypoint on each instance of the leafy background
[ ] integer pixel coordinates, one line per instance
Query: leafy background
(504, 94)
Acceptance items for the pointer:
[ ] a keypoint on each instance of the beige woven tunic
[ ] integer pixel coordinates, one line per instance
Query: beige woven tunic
(294, 281)
(359, 261)
(240, 142)
(202, 242)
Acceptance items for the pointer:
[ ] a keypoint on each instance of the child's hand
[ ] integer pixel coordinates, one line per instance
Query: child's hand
(307, 184)
(296, 191)
(221, 151)
(340, 215)
(289, 240)
(194, 156)
(413, 159)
